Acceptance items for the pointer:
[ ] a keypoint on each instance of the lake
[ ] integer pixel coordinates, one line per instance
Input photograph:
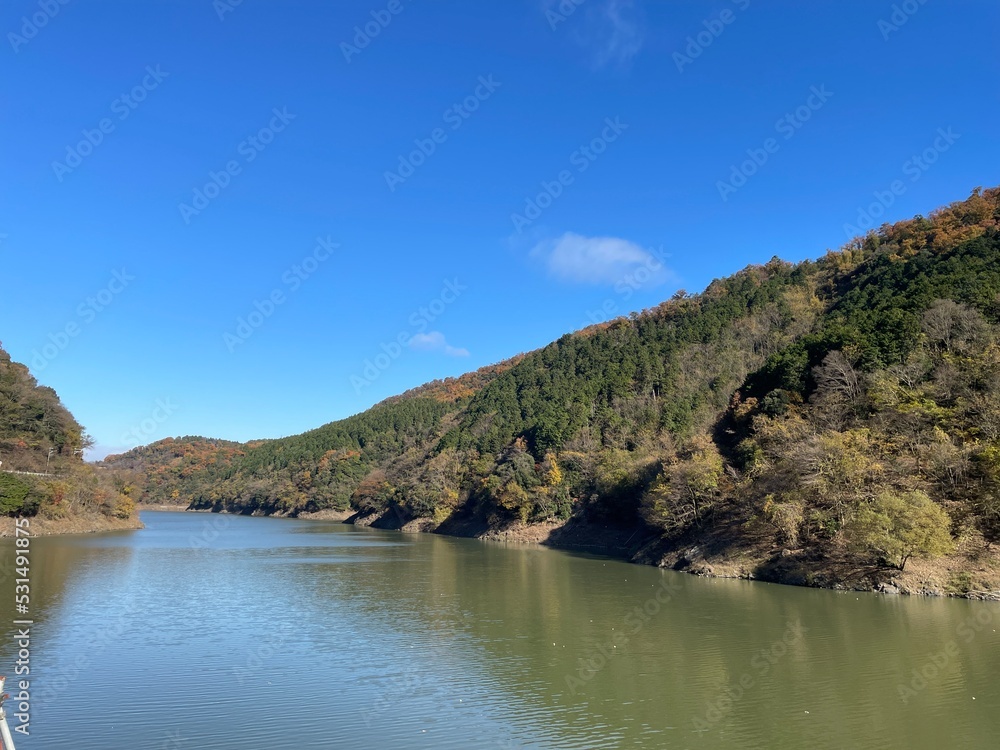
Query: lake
(225, 633)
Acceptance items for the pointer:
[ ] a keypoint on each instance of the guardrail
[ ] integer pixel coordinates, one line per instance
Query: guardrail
(8, 741)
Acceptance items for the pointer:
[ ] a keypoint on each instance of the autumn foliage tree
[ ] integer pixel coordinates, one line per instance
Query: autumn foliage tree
(897, 527)
(686, 490)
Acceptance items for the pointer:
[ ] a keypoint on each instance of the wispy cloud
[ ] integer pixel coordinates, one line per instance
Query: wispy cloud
(434, 341)
(596, 260)
(612, 31)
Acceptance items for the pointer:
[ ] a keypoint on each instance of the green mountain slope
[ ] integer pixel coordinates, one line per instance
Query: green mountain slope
(313, 471)
(42, 473)
(844, 410)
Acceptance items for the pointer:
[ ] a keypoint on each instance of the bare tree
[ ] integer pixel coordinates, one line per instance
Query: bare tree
(837, 375)
(953, 327)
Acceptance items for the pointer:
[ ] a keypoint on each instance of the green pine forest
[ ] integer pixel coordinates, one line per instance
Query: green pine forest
(827, 422)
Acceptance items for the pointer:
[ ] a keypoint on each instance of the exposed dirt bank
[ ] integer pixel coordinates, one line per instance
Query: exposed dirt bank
(973, 572)
(89, 524)
(164, 508)
(327, 515)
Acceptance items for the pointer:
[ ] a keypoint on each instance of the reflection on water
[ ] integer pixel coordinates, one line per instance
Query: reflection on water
(225, 633)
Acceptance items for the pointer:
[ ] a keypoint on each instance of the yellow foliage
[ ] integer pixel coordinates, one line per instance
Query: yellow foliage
(554, 475)
(124, 506)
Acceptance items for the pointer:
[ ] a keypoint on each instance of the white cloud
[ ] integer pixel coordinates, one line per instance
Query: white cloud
(434, 341)
(598, 260)
(611, 30)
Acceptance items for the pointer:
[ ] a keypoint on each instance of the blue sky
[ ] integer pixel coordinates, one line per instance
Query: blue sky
(246, 219)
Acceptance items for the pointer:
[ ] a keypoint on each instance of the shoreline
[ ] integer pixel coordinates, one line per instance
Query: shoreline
(73, 525)
(639, 545)
(642, 546)
(163, 508)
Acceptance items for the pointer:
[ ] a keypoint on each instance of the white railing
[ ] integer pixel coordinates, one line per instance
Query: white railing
(8, 741)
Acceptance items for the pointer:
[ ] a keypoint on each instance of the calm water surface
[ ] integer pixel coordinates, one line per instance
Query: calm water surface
(233, 633)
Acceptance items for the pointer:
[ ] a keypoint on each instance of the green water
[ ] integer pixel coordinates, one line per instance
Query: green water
(226, 632)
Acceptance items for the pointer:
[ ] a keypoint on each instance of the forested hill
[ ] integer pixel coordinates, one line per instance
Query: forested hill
(42, 473)
(316, 470)
(847, 407)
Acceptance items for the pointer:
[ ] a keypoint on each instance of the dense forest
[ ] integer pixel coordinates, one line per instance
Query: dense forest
(843, 409)
(42, 472)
